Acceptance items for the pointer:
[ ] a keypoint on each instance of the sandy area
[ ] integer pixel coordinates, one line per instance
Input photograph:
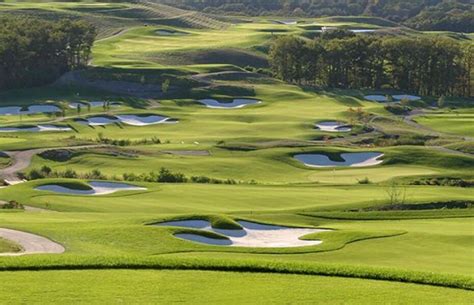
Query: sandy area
(252, 234)
(97, 188)
(30, 243)
(331, 126)
(350, 160)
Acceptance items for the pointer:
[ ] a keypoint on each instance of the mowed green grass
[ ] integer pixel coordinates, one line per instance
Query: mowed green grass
(211, 198)
(206, 287)
(459, 122)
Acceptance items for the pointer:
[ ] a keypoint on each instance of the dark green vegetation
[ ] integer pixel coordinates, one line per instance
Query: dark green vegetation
(399, 232)
(36, 52)
(421, 14)
(433, 67)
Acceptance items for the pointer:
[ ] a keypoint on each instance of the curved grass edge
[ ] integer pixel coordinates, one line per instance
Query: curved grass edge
(46, 263)
(74, 185)
(218, 221)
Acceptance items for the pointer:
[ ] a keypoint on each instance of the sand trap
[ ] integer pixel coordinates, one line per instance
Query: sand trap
(236, 103)
(407, 97)
(34, 109)
(42, 109)
(286, 22)
(11, 110)
(38, 128)
(75, 104)
(332, 126)
(98, 121)
(351, 159)
(362, 30)
(142, 120)
(376, 98)
(93, 104)
(252, 235)
(97, 188)
(102, 103)
(129, 119)
(30, 243)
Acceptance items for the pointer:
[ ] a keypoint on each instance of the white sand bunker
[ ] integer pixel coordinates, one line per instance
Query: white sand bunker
(96, 188)
(34, 109)
(286, 22)
(143, 120)
(129, 119)
(30, 243)
(332, 126)
(251, 235)
(93, 104)
(382, 98)
(98, 120)
(37, 128)
(10, 110)
(376, 98)
(363, 30)
(407, 97)
(236, 103)
(42, 109)
(350, 159)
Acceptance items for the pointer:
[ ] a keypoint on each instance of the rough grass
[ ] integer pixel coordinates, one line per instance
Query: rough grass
(8, 246)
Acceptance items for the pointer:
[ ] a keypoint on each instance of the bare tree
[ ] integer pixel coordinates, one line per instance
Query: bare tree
(396, 193)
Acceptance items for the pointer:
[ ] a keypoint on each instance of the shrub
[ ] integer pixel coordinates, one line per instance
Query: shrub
(397, 109)
(364, 181)
(13, 205)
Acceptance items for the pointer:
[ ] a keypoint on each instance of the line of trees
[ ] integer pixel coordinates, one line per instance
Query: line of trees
(36, 52)
(453, 15)
(426, 66)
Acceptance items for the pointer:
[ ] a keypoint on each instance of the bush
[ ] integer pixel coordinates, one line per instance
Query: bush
(364, 181)
(13, 205)
(398, 109)
(444, 181)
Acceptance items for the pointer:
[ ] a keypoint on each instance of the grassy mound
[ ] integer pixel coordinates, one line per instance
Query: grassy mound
(217, 221)
(77, 185)
(241, 58)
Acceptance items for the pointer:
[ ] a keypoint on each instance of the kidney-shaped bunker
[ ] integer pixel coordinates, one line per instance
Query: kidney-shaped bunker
(251, 235)
(236, 103)
(347, 159)
(93, 188)
(332, 126)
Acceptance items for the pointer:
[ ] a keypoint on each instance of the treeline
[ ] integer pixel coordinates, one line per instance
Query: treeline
(163, 176)
(454, 15)
(426, 66)
(36, 52)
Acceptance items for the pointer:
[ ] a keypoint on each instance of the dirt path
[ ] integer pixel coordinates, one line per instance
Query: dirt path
(30, 243)
(22, 159)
